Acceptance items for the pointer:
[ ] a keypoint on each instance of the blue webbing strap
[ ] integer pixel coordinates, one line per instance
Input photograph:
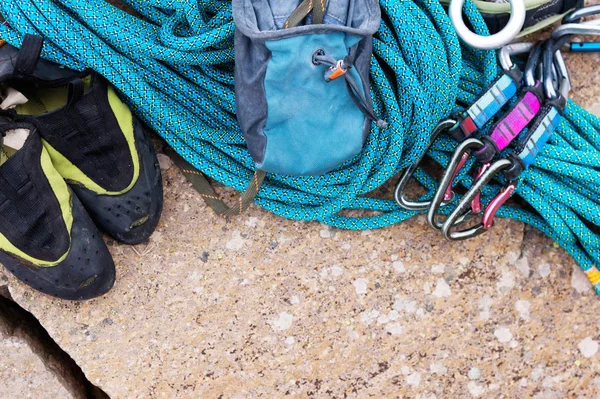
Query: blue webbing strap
(175, 69)
(489, 103)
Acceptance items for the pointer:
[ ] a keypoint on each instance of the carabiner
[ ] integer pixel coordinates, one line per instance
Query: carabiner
(532, 63)
(562, 34)
(457, 160)
(408, 173)
(465, 204)
(576, 15)
(512, 49)
(554, 60)
(583, 28)
(505, 36)
(490, 211)
(476, 203)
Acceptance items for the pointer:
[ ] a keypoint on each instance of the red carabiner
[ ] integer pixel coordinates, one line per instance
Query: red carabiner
(476, 203)
(488, 215)
(449, 194)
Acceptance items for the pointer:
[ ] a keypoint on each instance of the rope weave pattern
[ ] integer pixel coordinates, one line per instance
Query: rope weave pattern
(175, 69)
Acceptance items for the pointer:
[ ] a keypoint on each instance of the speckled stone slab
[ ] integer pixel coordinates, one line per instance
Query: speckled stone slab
(261, 307)
(23, 374)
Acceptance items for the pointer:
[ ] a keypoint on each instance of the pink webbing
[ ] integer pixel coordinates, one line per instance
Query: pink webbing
(519, 117)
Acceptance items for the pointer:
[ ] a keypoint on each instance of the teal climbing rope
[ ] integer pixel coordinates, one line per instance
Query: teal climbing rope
(175, 68)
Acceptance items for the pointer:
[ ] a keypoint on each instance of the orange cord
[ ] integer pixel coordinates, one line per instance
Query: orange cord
(2, 42)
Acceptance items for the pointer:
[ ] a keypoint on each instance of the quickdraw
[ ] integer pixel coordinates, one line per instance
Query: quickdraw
(517, 137)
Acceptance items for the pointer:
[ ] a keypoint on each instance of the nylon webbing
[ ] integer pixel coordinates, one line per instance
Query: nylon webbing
(210, 196)
(298, 15)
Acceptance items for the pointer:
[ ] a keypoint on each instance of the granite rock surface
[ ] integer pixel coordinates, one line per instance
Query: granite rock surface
(258, 306)
(24, 374)
(26, 370)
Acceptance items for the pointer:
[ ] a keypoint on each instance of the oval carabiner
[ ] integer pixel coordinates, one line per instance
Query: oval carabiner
(399, 194)
(576, 15)
(456, 161)
(465, 203)
(512, 49)
(505, 36)
(532, 64)
(591, 27)
(553, 62)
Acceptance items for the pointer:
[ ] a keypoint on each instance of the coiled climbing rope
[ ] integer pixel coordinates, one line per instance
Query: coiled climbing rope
(175, 67)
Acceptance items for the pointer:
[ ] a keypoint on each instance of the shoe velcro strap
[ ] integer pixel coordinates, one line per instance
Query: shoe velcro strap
(76, 90)
(29, 55)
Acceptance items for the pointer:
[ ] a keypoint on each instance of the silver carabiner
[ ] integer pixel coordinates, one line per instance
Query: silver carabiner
(555, 61)
(399, 195)
(512, 49)
(576, 15)
(582, 28)
(495, 41)
(573, 26)
(532, 65)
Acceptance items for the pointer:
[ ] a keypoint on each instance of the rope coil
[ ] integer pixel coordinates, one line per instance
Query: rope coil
(175, 67)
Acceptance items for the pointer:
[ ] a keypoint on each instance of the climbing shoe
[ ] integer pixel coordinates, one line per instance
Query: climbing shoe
(47, 239)
(98, 146)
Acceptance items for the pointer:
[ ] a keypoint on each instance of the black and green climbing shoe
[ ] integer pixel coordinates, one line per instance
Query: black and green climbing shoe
(47, 239)
(99, 147)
